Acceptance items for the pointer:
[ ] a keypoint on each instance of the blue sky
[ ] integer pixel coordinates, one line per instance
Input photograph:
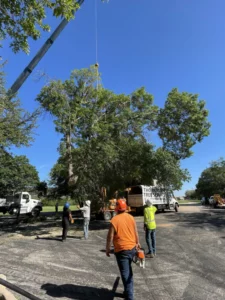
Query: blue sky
(157, 44)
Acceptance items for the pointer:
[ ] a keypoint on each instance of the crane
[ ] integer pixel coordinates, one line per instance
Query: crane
(30, 67)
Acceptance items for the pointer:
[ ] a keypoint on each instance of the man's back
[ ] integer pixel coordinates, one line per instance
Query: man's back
(125, 232)
(149, 217)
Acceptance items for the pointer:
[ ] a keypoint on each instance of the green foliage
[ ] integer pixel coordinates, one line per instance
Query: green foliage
(182, 123)
(167, 170)
(16, 129)
(104, 136)
(52, 202)
(191, 194)
(23, 19)
(212, 179)
(16, 174)
(42, 188)
(68, 103)
(16, 124)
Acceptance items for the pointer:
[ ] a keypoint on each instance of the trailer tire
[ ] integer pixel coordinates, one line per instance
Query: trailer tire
(107, 215)
(35, 212)
(176, 207)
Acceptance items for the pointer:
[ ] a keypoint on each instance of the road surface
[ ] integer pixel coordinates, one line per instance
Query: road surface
(189, 265)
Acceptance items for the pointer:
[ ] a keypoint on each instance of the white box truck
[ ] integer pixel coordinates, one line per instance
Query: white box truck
(160, 197)
(21, 203)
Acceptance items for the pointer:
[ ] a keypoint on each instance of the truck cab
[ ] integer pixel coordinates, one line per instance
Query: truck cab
(22, 203)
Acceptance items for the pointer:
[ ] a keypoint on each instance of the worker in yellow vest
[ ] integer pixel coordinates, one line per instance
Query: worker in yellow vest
(150, 227)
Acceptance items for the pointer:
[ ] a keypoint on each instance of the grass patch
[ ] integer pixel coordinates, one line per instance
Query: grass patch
(52, 208)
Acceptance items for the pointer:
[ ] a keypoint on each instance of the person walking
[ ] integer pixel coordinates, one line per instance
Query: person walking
(150, 227)
(124, 236)
(66, 218)
(56, 208)
(86, 210)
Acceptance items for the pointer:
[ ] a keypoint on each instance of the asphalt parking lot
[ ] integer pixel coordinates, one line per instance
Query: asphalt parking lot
(190, 261)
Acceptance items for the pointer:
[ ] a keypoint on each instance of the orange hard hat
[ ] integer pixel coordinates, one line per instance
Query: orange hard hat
(121, 205)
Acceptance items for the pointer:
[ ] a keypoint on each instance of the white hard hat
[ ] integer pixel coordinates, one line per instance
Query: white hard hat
(88, 202)
(149, 202)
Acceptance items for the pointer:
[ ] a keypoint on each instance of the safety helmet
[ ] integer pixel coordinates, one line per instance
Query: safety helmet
(149, 202)
(67, 205)
(121, 205)
(88, 202)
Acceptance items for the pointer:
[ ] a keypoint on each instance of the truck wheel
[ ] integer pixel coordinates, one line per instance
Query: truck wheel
(35, 212)
(107, 215)
(176, 208)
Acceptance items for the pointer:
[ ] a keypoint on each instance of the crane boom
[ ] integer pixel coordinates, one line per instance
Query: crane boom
(30, 67)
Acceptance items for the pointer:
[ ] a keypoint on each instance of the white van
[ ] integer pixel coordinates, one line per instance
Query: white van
(159, 196)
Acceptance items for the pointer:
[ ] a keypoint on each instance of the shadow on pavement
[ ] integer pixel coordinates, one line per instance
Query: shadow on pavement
(190, 204)
(103, 250)
(80, 292)
(73, 237)
(49, 238)
(33, 228)
(211, 218)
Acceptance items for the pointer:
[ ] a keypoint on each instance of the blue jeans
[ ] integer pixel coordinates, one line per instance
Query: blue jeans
(151, 240)
(124, 261)
(86, 227)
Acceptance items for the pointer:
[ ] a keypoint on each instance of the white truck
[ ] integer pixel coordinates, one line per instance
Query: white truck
(21, 203)
(159, 196)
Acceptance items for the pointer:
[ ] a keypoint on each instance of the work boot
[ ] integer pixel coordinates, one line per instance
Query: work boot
(149, 255)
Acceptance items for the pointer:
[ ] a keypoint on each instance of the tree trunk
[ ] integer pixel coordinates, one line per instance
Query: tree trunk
(71, 177)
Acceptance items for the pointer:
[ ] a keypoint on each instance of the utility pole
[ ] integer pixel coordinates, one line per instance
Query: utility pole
(30, 67)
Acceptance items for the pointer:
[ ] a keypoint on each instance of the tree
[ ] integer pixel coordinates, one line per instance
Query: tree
(212, 179)
(110, 148)
(66, 102)
(182, 123)
(117, 166)
(191, 194)
(92, 117)
(42, 188)
(16, 174)
(16, 124)
(107, 145)
(21, 19)
(167, 170)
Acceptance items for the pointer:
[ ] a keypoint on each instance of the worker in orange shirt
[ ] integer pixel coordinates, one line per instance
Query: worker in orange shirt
(123, 233)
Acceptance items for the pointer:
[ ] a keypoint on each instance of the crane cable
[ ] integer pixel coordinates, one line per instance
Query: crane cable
(96, 42)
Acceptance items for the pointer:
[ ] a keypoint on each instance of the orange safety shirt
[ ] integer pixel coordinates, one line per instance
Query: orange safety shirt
(125, 232)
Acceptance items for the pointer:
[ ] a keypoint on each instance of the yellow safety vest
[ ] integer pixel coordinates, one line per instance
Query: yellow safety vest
(149, 217)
